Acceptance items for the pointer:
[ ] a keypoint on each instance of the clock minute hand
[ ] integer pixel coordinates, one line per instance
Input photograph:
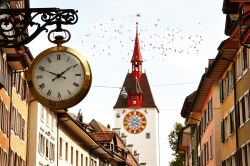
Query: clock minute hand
(60, 75)
(65, 70)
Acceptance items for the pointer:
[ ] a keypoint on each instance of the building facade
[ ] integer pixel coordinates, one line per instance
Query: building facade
(136, 113)
(14, 98)
(226, 82)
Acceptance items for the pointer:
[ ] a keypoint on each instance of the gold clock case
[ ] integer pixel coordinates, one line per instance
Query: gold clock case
(62, 103)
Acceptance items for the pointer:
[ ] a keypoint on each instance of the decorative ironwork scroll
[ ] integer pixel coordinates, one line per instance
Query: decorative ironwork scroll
(14, 23)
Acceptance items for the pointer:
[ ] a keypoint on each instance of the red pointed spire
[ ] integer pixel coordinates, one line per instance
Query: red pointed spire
(137, 58)
(137, 52)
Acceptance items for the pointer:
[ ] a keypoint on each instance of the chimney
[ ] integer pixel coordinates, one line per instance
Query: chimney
(137, 156)
(124, 138)
(117, 131)
(130, 147)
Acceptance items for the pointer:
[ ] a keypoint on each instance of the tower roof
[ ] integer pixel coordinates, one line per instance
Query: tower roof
(136, 88)
(148, 100)
(137, 52)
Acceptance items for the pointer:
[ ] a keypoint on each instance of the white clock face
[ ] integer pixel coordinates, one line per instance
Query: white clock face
(58, 76)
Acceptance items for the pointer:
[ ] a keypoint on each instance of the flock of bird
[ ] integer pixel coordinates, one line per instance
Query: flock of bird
(116, 36)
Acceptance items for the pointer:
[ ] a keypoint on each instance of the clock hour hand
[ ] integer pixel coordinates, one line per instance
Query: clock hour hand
(57, 75)
(60, 75)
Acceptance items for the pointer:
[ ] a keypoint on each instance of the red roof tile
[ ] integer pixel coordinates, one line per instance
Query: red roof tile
(103, 136)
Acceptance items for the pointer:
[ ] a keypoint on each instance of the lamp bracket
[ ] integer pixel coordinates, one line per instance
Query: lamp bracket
(14, 24)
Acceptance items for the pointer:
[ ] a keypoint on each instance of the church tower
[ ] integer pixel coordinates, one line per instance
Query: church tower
(136, 113)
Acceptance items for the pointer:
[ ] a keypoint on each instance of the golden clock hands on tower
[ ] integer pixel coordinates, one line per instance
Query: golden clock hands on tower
(60, 75)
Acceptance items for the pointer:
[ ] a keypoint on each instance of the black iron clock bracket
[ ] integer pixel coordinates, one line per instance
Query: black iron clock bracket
(14, 24)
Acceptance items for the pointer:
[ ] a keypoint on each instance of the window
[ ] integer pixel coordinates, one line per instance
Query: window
(211, 146)
(81, 159)
(226, 127)
(244, 156)
(210, 109)
(221, 91)
(76, 157)
(244, 59)
(42, 114)
(47, 149)
(47, 118)
(60, 146)
(66, 151)
(4, 119)
(232, 121)
(52, 152)
(86, 161)
(147, 135)
(222, 131)
(72, 156)
(41, 144)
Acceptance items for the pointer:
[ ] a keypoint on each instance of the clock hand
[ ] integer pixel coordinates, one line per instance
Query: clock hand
(60, 75)
(65, 70)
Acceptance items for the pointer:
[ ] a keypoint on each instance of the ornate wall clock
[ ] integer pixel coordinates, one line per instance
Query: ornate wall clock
(134, 122)
(59, 77)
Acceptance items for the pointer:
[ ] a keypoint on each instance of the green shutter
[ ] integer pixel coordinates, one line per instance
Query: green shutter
(232, 122)
(222, 131)
(221, 91)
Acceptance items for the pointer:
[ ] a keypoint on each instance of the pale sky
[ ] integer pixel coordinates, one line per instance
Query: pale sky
(177, 39)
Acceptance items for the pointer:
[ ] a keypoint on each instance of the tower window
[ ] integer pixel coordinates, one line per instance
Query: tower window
(147, 135)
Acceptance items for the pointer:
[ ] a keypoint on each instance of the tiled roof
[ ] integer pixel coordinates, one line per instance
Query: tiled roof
(147, 97)
(97, 126)
(103, 136)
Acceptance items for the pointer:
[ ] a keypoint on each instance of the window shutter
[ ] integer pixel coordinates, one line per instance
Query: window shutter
(238, 115)
(222, 131)
(221, 91)
(232, 122)
(224, 163)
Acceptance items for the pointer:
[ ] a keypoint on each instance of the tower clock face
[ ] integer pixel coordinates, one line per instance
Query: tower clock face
(134, 122)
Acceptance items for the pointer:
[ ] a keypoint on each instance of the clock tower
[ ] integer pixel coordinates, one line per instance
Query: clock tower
(136, 113)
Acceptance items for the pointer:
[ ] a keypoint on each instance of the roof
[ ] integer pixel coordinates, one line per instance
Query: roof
(147, 97)
(224, 58)
(136, 88)
(103, 136)
(97, 126)
(187, 106)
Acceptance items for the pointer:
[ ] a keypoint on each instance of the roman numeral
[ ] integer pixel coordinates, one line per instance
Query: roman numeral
(41, 68)
(75, 84)
(58, 57)
(59, 95)
(49, 60)
(78, 74)
(68, 59)
(42, 86)
(39, 77)
(69, 92)
(49, 92)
